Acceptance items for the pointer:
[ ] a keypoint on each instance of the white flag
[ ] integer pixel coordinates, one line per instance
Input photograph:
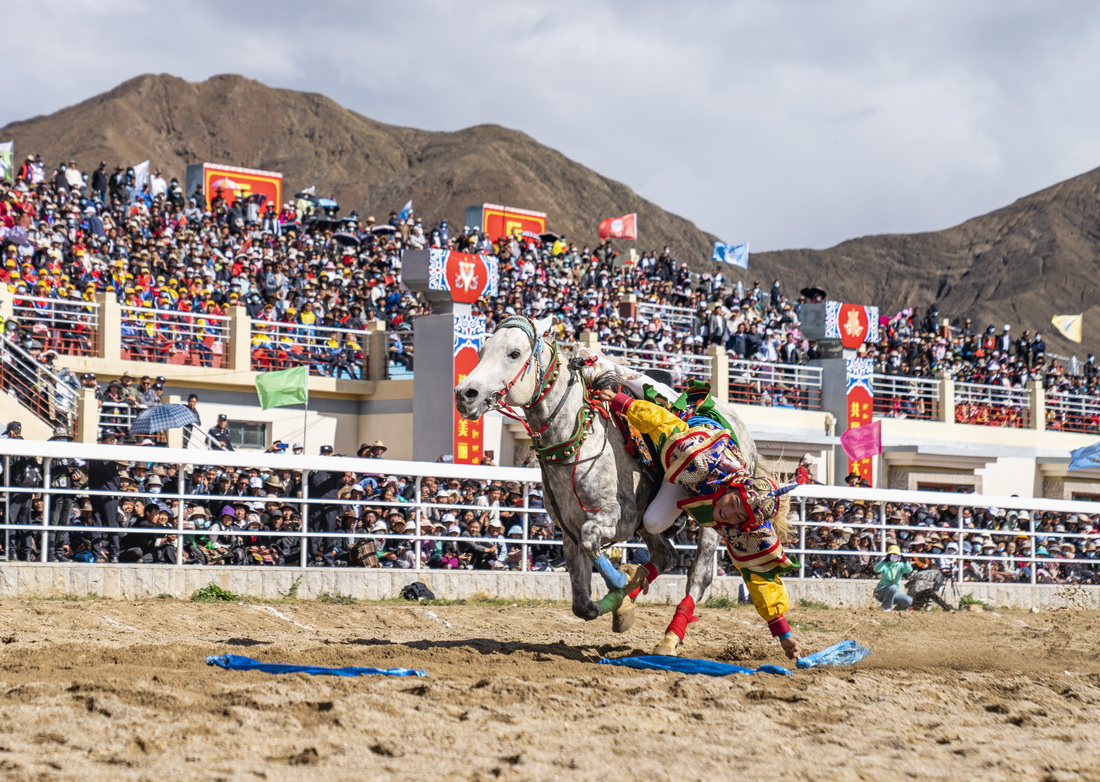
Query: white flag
(141, 174)
(1069, 326)
(7, 174)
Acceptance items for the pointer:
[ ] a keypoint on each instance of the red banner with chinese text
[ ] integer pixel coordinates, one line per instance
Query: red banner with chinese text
(237, 183)
(468, 437)
(498, 221)
(860, 404)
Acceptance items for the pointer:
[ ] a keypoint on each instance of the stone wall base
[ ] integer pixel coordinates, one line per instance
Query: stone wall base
(131, 582)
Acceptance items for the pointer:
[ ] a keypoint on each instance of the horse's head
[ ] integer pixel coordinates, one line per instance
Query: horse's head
(507, 370)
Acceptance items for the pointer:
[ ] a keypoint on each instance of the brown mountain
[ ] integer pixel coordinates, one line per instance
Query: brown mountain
(1021, 264)
(364, 164)
(1037, 257)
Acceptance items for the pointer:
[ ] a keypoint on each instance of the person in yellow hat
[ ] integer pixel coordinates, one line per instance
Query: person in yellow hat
(891, 571)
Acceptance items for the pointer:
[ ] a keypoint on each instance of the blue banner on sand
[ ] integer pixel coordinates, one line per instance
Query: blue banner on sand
(843, 653)
(688, 665)
(236, 662)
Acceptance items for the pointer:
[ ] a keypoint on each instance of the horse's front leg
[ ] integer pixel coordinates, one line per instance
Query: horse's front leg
(592, 535)
(594, 531)
(579, 566)
(699, 577)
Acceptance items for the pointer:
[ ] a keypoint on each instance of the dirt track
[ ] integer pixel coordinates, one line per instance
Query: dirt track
(110, 690)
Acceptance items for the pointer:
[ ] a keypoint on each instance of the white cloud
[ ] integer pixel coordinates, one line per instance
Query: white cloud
(784, 123)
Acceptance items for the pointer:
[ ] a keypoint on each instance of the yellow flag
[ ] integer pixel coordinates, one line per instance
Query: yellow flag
(1069, 326)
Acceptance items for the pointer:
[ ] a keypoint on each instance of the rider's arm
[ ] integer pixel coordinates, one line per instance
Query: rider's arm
(647, 417)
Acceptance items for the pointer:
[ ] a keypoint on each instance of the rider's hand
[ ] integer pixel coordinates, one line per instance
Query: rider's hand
(605, 394)
(791, 647)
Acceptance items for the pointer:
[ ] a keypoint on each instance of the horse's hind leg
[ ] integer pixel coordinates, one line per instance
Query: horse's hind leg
(699, 577)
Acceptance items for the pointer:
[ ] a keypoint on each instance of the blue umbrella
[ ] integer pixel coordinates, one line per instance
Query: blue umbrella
(161, 417)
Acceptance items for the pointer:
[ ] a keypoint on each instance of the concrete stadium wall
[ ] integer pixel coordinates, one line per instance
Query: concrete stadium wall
(128, 582)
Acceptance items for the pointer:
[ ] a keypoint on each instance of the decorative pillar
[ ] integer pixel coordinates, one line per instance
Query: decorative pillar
(848, 390)
(719, 372)
(87, 417)
(947, 398)
(378, 348)
(240, 339)
(1038, 406)
(447, 344)
(109, 332)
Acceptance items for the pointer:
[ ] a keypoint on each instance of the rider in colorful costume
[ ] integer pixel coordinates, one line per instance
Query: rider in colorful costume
(699, 455)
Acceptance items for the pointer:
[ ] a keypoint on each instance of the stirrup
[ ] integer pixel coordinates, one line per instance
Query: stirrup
(636, 577)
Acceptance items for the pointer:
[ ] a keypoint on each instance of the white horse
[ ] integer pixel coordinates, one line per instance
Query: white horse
(593, 488)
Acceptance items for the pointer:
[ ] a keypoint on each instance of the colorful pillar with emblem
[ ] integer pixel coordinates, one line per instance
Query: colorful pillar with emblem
(848, 379)
(446, 347)
(855, 325)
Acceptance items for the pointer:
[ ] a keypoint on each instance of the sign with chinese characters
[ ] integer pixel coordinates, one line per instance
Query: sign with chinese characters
(468, 435)
(498, 221)
(232, 183)
(860, 404)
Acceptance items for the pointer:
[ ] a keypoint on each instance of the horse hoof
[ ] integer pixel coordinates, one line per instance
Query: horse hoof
(669, 646)
(623, 619)
(635, 577)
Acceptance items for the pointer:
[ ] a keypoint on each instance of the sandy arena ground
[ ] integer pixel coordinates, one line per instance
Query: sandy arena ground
(96, 689)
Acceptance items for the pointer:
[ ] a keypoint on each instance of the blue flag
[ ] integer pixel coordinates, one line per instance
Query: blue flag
(1085, 458)
(734, 255)
(406, 210)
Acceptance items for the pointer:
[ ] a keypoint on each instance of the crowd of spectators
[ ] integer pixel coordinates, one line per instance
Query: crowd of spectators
(374, 520)
(69, 235)
(378, 520)
(845, 538)
(66, 234)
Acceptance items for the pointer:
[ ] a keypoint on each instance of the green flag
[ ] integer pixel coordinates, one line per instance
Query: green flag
(285, 387)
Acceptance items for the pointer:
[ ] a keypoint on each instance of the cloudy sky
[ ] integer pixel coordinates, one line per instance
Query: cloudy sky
(784, 123)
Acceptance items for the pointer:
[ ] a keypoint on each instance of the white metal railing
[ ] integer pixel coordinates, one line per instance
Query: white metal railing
(68, 326)
(682, 319)
(1068, 413)
(174, 337)
(36, 385)
(900, 396)
(326, 350)
(117, 415)
(416, 546)
(775, 385)
(682, 366)
(959, 537)
(992, 405)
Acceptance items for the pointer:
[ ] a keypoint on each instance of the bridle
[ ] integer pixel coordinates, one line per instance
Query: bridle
(546, 376)
(560, 452)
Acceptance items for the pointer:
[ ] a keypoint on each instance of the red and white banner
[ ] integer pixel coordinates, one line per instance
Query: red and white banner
(625, 227)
